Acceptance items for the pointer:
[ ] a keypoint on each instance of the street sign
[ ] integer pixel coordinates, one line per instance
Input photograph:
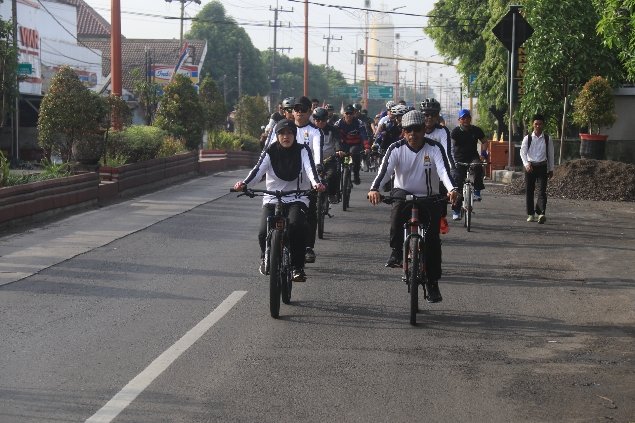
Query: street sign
(25, 69)
(380, 92)
(503, 29)
(351, 91)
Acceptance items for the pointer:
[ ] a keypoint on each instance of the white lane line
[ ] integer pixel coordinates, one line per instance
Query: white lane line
(137, 385)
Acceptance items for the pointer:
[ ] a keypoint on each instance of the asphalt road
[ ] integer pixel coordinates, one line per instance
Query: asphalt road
(153, 310)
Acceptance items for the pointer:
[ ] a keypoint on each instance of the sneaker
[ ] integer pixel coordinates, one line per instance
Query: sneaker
(309, 255)
(395, 259)
(443, 226)
(433, 292)
(356, 180)
(477, 195)
(456, 215)
(542, 218)
(298, 275)
(531, 218)
(263, 267)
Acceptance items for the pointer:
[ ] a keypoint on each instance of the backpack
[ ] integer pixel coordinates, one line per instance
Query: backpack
(546, 144)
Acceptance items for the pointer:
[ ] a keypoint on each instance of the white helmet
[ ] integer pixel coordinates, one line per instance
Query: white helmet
(389, 104)
(399, 110)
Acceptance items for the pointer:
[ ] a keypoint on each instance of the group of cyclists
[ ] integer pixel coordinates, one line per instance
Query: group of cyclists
(303, 140)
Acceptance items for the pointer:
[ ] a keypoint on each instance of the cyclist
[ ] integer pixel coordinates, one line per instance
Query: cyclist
(465, 138)
(330, 147)
(286, 111)
(284, 164)
(418, 163)
(431, 113)
(315, 103)
(354, 139)
(312, 136)
(332, 116)
(390, 131)
(385, 115)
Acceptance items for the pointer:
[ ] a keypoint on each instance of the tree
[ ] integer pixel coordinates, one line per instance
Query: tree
(214, 109)
(617, 29)
(69, 112)
(8, 69)
(148, 93)
(251, 114)
(226, 40)
(180, 112)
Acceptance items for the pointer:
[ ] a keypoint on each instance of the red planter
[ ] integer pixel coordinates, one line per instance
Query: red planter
(593, 146)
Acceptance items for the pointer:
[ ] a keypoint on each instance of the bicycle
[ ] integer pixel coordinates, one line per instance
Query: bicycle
(374, 160)
(414, 266)
(467, 207)
(277, 250)
(346, 182)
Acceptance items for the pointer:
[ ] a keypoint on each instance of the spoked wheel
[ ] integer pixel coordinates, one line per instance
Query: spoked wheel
(414, 275)
(467, 205)
(323, 209)
(275, 273)
(346, 189)
(286, 277)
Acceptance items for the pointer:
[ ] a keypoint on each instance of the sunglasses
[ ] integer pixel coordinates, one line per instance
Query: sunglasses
(300, 109)
(413, 128)
(348, 113)
(288, 109)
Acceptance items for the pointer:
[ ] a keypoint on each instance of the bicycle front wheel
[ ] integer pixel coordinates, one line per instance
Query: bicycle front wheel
(346, 189)
(323, 209)
(286, 277)
(414, 276)
(467, 205)
(275, 271)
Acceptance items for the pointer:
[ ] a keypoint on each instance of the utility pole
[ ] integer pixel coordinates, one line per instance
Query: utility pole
(183, 16)
(240, 75)
(273, 79)
(15, 143)
(328, 43)
(306, 48)
(365, 99)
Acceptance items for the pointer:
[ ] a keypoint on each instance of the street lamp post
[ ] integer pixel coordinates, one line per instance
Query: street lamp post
(414, 102)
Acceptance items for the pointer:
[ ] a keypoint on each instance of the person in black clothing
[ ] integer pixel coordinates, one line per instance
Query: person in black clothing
(465, 138)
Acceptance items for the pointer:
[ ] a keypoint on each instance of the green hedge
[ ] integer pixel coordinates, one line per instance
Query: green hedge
(223, 140)
(137, 143)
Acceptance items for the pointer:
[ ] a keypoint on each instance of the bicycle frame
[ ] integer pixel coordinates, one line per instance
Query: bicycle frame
(467, 208)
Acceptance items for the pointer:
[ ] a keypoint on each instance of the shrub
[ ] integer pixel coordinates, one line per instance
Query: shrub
(136, 143)
(171, 146)
(222, 140)
(595, 106)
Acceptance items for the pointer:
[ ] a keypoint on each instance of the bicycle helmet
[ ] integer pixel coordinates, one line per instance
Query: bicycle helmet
(430, 105)
(285, 123)
(288, 103)
(357, 107)
(399, 110)
(389, 104)
(320, 113)
(330, 107)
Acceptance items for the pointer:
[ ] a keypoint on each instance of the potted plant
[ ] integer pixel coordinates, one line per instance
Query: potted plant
(594, 108)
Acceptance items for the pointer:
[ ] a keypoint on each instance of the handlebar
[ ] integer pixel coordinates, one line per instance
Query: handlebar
(411, 198)
(472, 164)
(251, 192)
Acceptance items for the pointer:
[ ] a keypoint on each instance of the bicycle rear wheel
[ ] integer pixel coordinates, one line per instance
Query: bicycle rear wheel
(286, 277)
(323, 209)
(414, 275)
(346, 188)
(467, 204)
(275, 272)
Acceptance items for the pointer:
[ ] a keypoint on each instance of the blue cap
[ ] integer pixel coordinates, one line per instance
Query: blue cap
(464, 112)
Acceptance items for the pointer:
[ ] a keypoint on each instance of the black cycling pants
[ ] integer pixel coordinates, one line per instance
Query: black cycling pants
(296, 212)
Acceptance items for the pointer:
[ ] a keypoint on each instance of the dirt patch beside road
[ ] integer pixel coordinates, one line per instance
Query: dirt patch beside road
(586, 179)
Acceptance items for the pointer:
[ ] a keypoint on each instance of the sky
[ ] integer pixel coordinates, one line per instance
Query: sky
(145, 19)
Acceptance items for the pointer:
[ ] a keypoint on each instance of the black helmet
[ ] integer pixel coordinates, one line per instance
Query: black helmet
(430, 105)
(349, 108)
(357, 107)
(288, 103)
(285, 123)
(320, 113)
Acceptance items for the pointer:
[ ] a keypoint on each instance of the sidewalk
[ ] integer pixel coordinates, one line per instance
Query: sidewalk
(27, 253)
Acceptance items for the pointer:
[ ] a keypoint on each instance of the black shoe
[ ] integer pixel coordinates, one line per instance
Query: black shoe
(395, 259)
(433, 292)
(298, 275)
(309, 255)
(356, 180)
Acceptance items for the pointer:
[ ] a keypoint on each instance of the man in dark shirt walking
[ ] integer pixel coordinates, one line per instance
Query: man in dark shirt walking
(465, 138)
